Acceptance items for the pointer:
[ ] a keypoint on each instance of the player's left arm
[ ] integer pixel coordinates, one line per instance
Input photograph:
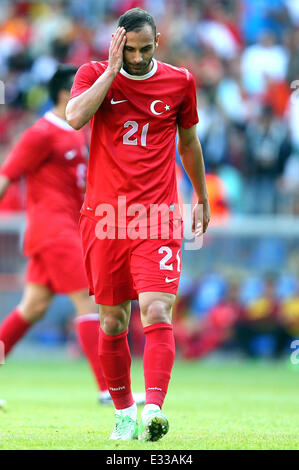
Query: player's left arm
(192, 158)
(29, 153)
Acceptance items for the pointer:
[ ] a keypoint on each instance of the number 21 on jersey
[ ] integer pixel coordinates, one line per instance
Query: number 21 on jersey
(128, 137)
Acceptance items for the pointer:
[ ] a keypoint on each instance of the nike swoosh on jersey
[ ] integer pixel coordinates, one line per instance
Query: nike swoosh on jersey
(170, 280)
(116, 102)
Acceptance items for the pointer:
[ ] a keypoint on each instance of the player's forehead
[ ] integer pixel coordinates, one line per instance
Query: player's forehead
(140, 38)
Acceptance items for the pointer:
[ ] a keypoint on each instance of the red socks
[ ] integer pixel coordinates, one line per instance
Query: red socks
(110, 358)
(12, 329)
(88, 335)
(115, 359)
(158, 359)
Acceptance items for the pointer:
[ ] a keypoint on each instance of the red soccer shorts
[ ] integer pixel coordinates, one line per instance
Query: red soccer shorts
(59, 267)
(120, 269)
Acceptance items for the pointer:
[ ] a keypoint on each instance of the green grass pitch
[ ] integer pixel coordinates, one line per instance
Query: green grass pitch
(210, 405)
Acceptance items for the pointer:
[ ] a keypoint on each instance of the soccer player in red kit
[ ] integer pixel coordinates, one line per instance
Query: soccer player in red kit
(52, 157)
(135, 105)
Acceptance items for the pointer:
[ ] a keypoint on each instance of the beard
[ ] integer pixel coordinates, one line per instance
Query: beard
(141, 69)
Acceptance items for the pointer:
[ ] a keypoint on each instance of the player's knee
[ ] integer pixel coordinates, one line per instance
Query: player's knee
(156, 311)
(114, 324)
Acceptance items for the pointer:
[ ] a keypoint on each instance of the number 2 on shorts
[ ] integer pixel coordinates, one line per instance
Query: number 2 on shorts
(167, 257)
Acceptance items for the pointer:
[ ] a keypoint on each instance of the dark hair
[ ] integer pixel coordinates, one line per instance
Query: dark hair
(61, 80)
(135, 19)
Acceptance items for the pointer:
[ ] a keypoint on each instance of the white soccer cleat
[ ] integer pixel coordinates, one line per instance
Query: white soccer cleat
(153, 426)
(125, 429)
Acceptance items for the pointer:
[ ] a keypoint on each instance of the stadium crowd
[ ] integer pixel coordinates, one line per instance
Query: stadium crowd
(244, 57)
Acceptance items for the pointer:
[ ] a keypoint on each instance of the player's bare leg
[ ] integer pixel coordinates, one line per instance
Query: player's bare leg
(114, 319)
(84, 303)
(158, 359)
(32, 307)
(35, 302)
(116, 363)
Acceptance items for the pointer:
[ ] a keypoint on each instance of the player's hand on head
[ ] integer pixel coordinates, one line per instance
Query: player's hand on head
(116, 50)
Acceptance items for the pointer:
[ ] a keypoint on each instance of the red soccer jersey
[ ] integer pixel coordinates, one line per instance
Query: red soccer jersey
(52, 157)
(132, 151)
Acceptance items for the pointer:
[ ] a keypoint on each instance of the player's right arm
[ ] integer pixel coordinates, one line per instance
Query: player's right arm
(81, 108)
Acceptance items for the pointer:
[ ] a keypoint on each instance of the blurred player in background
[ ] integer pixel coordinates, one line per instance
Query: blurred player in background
(135, 105)
(52, 157)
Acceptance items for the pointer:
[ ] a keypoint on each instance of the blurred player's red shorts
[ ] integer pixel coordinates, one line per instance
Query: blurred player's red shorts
(59, 267)
(120, 269)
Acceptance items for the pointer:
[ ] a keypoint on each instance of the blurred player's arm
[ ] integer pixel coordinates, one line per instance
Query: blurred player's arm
(191, 155)
(30, 151)
(81, 108)
(4, 183)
